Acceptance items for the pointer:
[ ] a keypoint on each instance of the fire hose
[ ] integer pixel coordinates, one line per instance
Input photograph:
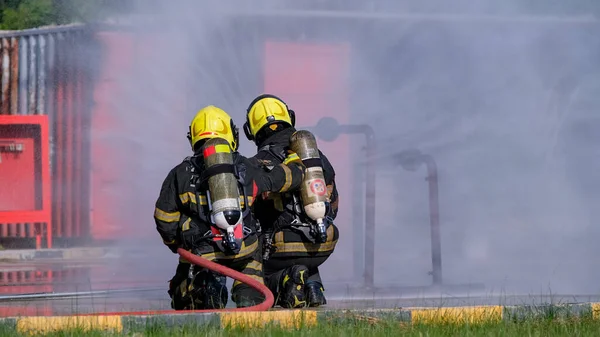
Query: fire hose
(215, 267)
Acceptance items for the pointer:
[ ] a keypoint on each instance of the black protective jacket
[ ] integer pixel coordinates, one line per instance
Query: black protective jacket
(182, 213)
(276, 212)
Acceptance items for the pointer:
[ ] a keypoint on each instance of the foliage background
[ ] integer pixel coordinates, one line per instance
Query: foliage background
(24, 14)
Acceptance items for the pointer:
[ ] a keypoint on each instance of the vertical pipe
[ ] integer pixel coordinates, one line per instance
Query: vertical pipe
(32, 81)
(41, 78)
(23, 71)
(358, 222)
(434, 216)
(370, 186)
(5, 102)
(370, 195)
(78, 78)
(50, 105)
(50, 108)
(14, 76)
(59, 137)
(69, 115)
(87, 93)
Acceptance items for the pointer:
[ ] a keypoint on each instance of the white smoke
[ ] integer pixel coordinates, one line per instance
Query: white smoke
(482, 96)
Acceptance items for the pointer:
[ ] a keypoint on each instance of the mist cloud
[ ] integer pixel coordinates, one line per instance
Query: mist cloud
(506, 109)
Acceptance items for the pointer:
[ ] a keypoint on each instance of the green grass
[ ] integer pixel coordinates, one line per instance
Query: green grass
(369, 327)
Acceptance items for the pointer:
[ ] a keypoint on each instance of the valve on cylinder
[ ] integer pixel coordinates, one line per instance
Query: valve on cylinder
(313, 192)
(223, 190)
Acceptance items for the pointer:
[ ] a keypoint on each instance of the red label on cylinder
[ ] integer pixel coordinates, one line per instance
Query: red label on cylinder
(209, 151)
(318, 187)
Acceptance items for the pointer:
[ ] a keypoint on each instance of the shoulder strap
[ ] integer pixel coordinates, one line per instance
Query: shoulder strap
(281, 154)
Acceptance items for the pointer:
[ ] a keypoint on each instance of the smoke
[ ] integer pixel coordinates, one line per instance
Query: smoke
(505, 107)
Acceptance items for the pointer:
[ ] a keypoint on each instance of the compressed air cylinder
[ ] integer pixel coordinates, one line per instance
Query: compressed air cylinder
(223, 187)
(314, 190)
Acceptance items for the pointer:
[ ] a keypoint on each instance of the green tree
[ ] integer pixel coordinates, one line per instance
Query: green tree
(24, 14)
(28, 14)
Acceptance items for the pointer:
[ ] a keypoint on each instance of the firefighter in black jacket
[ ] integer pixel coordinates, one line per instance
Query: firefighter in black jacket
(292, 256)
(183, 219)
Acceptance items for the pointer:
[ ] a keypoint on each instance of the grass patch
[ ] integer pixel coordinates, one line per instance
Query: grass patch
(363, 326)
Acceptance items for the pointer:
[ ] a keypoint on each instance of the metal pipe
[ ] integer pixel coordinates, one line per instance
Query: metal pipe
(410, 160)
(330, 130)
(71, 294)
(358, 224)
(370, 187)
(434, 219)
(433, 17)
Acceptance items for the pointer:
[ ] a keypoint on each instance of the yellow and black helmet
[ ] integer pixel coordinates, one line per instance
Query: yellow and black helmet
(212, 122)
(266, 110)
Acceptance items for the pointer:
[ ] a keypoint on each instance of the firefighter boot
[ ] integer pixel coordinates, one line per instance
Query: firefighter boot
(214, 291)
(314, 294)
(292, 287)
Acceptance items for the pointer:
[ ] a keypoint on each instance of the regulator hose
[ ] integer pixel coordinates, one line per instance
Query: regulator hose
(202, 262)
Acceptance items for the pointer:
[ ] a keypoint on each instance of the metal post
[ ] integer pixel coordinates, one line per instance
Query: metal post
(434, 218)
(370, 186)
(410, 160)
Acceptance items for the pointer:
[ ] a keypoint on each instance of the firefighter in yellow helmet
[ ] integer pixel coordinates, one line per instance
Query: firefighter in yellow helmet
(183, 217)
(293, 255)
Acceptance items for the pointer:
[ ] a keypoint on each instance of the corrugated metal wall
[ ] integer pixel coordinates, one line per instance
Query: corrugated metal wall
(49, 72)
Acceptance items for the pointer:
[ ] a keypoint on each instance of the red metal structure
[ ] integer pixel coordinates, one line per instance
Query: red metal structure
(45, 80)
(25, 178)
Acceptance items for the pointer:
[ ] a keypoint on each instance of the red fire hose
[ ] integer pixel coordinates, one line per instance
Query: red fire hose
(202, 262)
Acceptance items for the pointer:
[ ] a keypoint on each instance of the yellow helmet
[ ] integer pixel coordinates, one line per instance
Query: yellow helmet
(266, 110)
(213, 122)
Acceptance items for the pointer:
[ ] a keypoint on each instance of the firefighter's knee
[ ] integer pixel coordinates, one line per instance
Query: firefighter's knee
(206, 291)
(245, 296)
(215, 292)
(334, 235)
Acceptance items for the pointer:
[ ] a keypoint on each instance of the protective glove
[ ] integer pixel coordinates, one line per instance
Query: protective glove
(173, 246)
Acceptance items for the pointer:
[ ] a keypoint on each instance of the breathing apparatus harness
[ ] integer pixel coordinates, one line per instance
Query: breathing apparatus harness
(291, 202)
(199, 181)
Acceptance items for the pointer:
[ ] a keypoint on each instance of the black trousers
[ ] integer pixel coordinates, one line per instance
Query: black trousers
(189, 294)
(292, 249)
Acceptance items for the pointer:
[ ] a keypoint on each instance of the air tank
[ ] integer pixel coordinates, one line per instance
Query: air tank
(313, 191)
(223, 188)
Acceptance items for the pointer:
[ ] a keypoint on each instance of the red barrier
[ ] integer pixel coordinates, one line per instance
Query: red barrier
(25, 177)
(46, 74)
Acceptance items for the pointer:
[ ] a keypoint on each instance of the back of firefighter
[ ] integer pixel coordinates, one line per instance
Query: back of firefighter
(183, 219)
(292, 266)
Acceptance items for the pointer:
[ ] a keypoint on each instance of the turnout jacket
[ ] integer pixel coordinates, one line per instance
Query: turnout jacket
(276, 212)
(182, 214)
